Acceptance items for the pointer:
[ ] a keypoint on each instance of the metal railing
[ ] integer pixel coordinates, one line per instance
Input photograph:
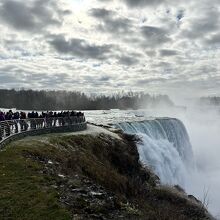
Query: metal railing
(11, 127)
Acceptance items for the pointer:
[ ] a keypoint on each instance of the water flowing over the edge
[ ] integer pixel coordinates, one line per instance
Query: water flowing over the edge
(165, 147)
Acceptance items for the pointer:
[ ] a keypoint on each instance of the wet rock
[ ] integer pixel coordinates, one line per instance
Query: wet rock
(193, 198)
(50, 162)
(97, 194)
(80, 190)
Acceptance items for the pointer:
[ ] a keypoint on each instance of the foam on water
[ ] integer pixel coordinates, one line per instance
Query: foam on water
(165, 147)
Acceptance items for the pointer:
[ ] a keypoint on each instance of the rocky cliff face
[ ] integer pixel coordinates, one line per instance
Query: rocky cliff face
(93, 177)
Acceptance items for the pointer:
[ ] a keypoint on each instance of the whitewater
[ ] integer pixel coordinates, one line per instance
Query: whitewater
(165, 147)
(182, 151)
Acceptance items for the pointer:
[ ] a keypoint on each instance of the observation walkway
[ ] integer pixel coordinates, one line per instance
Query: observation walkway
(17, 129)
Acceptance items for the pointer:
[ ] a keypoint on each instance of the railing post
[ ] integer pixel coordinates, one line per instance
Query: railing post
(7, 129)
(26, 125)
(34, 124)
(54, 121)
(63, 121)
(1, 130)
(16, 126)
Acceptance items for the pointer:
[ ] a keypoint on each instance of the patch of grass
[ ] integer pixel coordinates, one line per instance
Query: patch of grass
(24, 193)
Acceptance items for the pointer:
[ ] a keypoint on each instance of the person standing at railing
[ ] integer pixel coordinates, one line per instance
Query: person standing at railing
(62, 115)
(2, 116)
(40, 121)
(54, 119)
(9, 115)
(46, 116)
(59, 115)
(30, 116)
(35, 116)
(68, 119)
(15, 118)
(49, 119)
(72, 116)
(8, 122)
(23, 123)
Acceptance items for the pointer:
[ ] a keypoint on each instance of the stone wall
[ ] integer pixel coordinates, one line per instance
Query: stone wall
(61, 129)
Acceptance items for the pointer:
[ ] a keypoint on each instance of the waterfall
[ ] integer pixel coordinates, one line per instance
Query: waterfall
(165, 147)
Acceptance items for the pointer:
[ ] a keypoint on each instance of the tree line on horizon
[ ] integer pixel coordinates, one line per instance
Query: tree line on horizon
(64, 100)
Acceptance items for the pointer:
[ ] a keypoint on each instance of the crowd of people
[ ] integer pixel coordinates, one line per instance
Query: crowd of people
(15, 121)
(10, 115)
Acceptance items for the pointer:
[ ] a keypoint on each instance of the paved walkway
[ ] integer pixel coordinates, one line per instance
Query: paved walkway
(91, 130)
(94, 130)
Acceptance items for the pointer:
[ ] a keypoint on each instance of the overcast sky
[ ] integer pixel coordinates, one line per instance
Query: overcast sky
(157, 46)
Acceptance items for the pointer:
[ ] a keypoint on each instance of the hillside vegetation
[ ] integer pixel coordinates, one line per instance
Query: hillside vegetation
(85, 177)
(63, 100)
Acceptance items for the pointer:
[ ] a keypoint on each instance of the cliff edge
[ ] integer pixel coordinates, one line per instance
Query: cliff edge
(86, 176)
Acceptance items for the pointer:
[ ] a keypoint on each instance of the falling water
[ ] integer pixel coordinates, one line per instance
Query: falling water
(165, 147)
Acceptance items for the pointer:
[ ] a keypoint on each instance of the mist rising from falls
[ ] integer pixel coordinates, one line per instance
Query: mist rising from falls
(165, 147)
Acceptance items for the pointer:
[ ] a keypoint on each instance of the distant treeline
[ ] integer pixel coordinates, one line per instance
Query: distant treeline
(63, 100)
(215, 100)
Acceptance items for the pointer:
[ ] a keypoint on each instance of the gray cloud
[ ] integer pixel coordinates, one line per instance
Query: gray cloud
(155, 36)
(83, 50)
(162, 65)
(80, 48)
(17, 77)
(151, 53)
(203, 25)
(101, 13)
(167, 53)
(213, 40)
(105, 78)
(128, 60)
(29, 15)
(110, 22)
(142, 3)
